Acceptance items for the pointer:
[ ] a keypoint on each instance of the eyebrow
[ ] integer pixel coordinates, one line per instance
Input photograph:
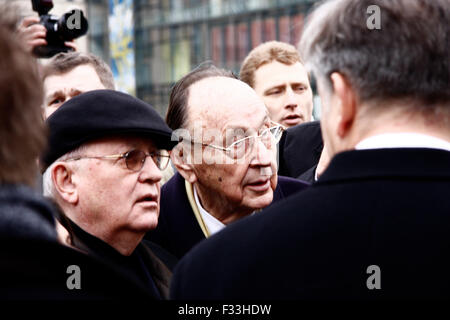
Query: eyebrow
(54, 95)
(283, 86)
(236, 127)
(58, 93)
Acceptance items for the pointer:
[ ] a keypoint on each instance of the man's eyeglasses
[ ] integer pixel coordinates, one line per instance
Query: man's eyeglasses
(135, 159)
(238, 149)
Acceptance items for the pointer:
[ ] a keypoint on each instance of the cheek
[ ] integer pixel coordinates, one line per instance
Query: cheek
(274, 164)
(224, 179)
(272, 105)
(107, 190)
(231, 177)
(108, 198)
(49, 111)
(308, 100)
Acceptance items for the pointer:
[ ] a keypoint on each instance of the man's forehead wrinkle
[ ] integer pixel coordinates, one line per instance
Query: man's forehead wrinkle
(240, 124)
(218, 100)
(220, 91)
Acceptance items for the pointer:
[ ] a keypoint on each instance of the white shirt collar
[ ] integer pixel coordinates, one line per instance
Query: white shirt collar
(403, 140)
(214, 225)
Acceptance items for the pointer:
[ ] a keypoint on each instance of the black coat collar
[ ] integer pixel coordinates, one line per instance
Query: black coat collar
(143, 266)
(394, 162)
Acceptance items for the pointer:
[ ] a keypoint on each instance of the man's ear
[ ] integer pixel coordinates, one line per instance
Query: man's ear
(345, 103)
(63, 180)
(181, 158)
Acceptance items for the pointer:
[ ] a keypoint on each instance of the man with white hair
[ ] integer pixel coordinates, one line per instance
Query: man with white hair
(375, 224)
(226, 159)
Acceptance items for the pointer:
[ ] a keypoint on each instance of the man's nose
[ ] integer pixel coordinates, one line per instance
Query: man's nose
(290, 99)
(150, 172)
(262, 155)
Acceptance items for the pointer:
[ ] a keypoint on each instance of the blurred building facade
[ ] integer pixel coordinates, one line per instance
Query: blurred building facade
(171, 37)
(150, 44)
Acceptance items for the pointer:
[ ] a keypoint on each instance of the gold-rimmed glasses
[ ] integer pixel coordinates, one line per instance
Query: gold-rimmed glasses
(134, 159)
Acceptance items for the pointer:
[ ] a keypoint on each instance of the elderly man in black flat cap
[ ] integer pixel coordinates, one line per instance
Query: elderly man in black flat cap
(103, 167)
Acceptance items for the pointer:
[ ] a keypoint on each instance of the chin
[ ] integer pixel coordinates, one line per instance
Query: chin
(147, 223)
(262, 201)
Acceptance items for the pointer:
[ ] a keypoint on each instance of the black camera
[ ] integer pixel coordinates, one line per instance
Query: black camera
(71, 25)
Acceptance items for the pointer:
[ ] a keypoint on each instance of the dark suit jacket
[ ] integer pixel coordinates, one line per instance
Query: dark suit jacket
(309, 175)
(299, 150)
(386, 207)
(178, 230)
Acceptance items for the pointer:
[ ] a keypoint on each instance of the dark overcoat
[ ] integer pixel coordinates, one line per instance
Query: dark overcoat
(374, 226)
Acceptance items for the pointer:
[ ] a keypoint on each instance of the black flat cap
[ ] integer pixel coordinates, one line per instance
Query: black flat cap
(101, 113)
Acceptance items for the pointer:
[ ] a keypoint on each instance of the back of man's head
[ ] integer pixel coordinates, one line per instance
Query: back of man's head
(406, 57)
(266, 53)
(67, 61)
(21, 126)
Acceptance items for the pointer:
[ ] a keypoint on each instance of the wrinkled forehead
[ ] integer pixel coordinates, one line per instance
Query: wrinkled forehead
(220, 103)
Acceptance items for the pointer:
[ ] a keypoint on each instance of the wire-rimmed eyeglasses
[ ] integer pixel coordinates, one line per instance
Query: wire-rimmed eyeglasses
(269, 137)
(134, 159)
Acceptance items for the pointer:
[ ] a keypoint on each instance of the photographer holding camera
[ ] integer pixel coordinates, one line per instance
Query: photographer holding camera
(47, 34)
(68, 73)
(33, 34)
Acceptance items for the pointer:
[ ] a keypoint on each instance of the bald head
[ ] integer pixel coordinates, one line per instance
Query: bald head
(177, 112)
(217, 100)
(232, 173)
